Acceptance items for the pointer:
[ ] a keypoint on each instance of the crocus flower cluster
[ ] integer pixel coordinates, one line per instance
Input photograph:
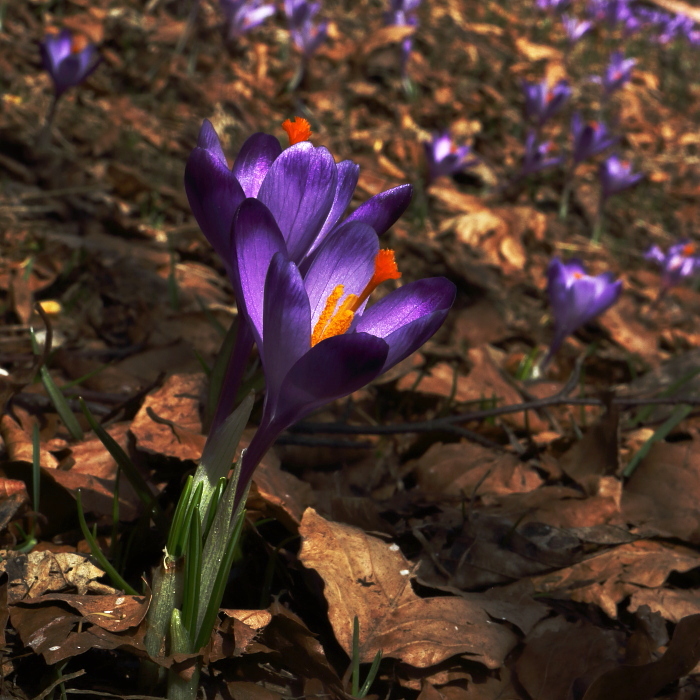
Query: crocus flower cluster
(543, 101)
(241, 16)
(403, 13)
(576, 298)
(305, 32)
(681, 261)
(444, 157)
(302, 278)
(68, 59)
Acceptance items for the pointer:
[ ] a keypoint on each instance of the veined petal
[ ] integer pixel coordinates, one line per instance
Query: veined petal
(382, 210)
(346, 257)
(214, 195)
(253, 161)
(348, 174)
(255, 240)
(334, 368)
(407, 317)
(286, 322)
(299, 189)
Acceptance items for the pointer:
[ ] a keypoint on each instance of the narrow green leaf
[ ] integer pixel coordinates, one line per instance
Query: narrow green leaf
(178, 518)
(193, 572)
(679, 413)
(60, 404)
(371, 675)
(193, 505)
(218, 371)
(113, 574)
(355, 661)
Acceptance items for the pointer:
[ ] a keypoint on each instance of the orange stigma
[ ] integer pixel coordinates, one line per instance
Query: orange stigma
(689, 249)
(79, 43)
(297, 130)
(332, 322)
(577, 275)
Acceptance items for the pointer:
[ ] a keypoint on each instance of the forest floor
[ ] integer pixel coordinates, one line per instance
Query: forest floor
(525, 555)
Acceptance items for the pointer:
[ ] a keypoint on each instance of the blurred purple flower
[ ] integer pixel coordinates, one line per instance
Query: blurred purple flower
(616, 175)
(552, 5)
(542, 102)
(244, 15)
(681, 261)
(306, 34)
(68, 59)
(618, 72)
(575, 28)
(576, 298)
(535, 158)
(304, 188)
(317, 338)
(589, 139)
(403, 13)
(617, 12)
(445, 158)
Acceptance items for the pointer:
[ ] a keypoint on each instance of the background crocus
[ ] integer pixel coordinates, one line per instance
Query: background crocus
(589, 139)
(304, 188)
(403, 13)
(305, 32)
(535, 158)
(444, 157)
(552, 5)
(575, 28)
(618, 72)
(68, 59)
(542, 101)
(576, 298)
(318, 338)
(240, 16)
(678, 263)
(616, 175)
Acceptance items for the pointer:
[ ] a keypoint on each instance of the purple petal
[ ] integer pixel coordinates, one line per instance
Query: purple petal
(214, 194)
(255, 240)
(407, 317)
(253, 161)
(346, 257)
(381, 211)
(208, 139)
(334, 368)
(348, 174)
(299, 190)
(286, 324)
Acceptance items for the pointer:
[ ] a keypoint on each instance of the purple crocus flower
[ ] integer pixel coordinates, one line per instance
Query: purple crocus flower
(403, 13)
(306, 34)
(444, 157)
(68, 59)
(542, 102)
(552, 5)
(617, 12)
(303, 187)
(618, 72)
(535, 158)
(576, 298)
(589, 139)
(575, 28)
(682, 260)
(243, 15)
(616, 175)
(317, 337)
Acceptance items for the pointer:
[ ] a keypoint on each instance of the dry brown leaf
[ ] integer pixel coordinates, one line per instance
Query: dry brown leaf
(621, 323)
(672, 605)
(537, 52)
(366, 577)
(385, 36)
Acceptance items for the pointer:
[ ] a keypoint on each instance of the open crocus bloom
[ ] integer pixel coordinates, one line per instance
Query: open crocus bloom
(589, 139)
(576, 298)
(618, 72)
(318, 339)
(68, 59)
(444, 157)
(680, 261)
(616, 175)
(303, 187)
(542, 102)
(244, 15)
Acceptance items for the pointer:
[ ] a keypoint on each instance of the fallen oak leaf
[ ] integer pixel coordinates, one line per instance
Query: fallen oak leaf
(366, 577)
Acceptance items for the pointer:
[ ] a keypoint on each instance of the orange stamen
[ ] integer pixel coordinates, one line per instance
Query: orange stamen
(79, 43)
(577, 275)
(297, 130)
(332, 322)
(689, 249)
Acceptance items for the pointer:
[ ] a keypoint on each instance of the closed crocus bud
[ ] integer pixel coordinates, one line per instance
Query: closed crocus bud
(678, 263)
(68, 59)
(536, 155)
(589, 139)
(616, 175)
(576, 298)
(542, 101)
(575, 28)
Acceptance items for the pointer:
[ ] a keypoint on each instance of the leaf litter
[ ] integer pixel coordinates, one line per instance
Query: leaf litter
(521, 565)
